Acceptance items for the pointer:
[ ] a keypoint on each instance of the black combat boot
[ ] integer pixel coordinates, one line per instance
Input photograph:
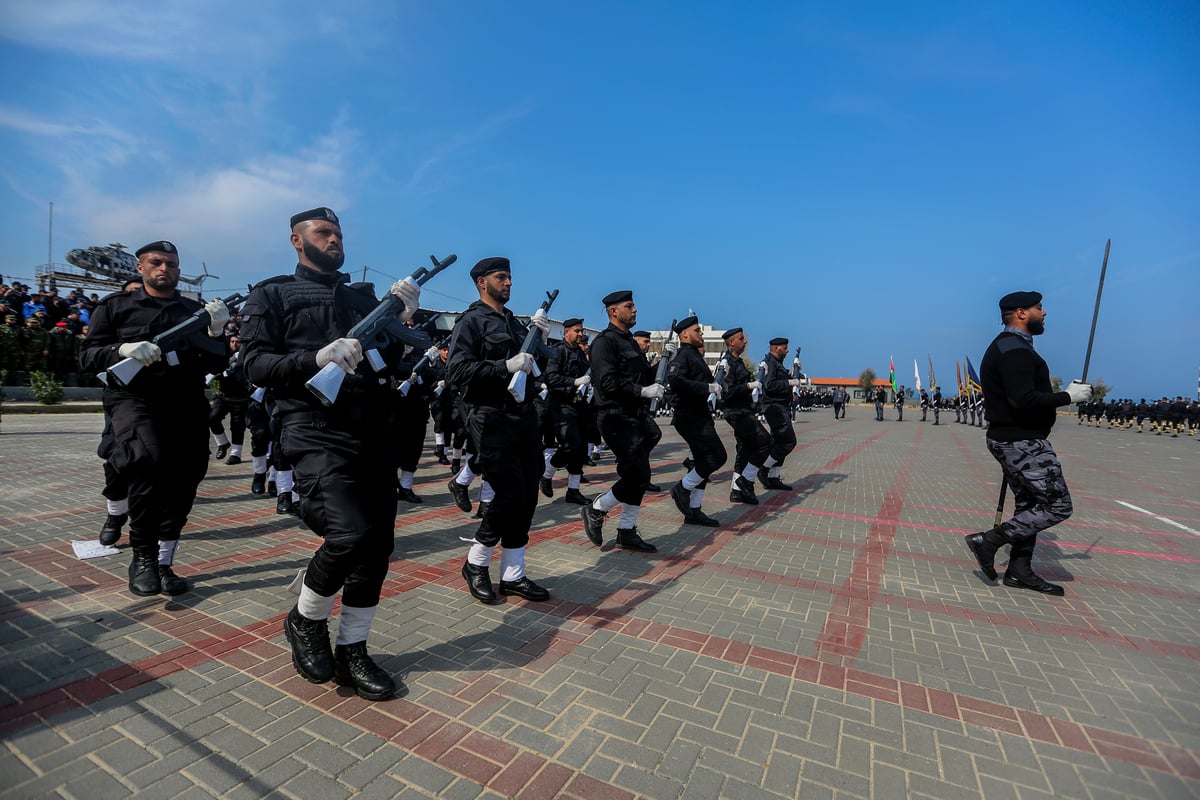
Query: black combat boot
(523, 587)
(455, 466)
(984, 545)
(172, 584)
(575, 496)
(461, 498)
(143, 572)
(258, 484)
(770, 482)
(110, 532)
(697, 517)
(407, 495)
(309, 639)
(353, 667)
(284, 504)
(628, 539)
(1020, 574)
(682, 498)
(479, 583)
(546, 486)
(481, 510)
(743, 492)
(233, 461)
(222, 449)
(593, 524)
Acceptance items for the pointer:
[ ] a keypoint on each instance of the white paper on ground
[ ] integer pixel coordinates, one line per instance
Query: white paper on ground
(93, 550)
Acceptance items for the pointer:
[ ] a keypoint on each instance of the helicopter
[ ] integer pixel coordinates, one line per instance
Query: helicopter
(115, 262)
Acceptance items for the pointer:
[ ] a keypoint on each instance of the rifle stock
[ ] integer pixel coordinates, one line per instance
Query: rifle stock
(660, 377)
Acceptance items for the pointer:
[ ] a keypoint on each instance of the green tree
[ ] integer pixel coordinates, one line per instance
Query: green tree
(1055, 384)
(1100, 389)
(866, 382)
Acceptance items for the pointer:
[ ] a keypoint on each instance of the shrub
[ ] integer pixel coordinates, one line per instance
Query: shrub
(46, 388)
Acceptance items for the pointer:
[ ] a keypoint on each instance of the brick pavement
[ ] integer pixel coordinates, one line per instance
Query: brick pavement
(832, 642)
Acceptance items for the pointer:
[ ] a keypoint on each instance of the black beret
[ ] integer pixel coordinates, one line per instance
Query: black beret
(729, 334)
(641, 334)
(1015, 300)
(489, 265)
(315, 213)
(157, 247)
(685, 323)
(572, 322)
(615, 298)
(778, 340)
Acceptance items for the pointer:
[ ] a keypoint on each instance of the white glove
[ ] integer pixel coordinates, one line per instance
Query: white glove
(654, 391)
(670, 349)
(432, 354)
(209, 378)
(144, 353)
(218, 315)
(583, 380)
(752, 385)
(441, 385)
(521, 362)
(1079, 392)
(346, 353)
(410, 294)
(794, 382)
(715, 388)
(542, 323)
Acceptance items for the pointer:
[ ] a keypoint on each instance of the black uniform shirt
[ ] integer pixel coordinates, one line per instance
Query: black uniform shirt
(619, 371)
(1016, 390)
(482, 340)
(287, 319)
(135, 316)
(689, 376)
(738, 395)
(776, 388)
(567, 364)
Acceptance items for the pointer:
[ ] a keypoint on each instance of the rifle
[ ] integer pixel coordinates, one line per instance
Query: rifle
(418, 371)
(531, 345)
(797, 374)
(756, 395)
(375, 331)
(660, 377)
(191, 333)
(719, 380)
(585, 392)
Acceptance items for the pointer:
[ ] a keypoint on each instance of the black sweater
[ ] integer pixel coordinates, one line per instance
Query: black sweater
(1016, 390)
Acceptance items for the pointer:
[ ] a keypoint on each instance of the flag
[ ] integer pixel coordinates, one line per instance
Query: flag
(916, 375)
(958, 369)
(892, 374)
(932, 382)
(972, 377)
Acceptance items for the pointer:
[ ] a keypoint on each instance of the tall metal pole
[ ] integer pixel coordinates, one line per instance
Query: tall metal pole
(1096, 312)
(50, 248)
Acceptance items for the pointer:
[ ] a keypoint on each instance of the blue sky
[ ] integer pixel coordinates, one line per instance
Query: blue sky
(866, 179)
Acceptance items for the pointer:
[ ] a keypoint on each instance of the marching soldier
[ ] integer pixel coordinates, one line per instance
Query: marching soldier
(753, 441)
(623, 381)
(231, 399)
(342, 455)
(691, 382)
(937, 405)
(924, 405)
(568, 383)
(159, 430)
(777, 396)
(485, 352)
(1021, 412)
(899, 404)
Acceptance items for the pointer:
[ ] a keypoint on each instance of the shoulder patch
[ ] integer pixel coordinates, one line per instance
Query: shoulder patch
(1006, 343)
(276, 279)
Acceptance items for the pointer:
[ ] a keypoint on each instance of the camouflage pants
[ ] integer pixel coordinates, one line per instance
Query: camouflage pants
(1039, 490)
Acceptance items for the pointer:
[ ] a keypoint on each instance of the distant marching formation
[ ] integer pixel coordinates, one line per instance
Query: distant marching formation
(1171, 417)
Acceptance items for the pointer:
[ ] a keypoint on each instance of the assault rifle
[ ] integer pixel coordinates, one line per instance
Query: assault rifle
(531, 345)
(375, 331)
(416, 377)
(797, 374)
(660, 377)
(761, 377)
(190, 334)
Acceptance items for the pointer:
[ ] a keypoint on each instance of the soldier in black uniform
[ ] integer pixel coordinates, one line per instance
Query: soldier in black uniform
(880, 399)
(691, 382)
(937, 405)
(777, 396)
(342, 455)
(753, 441)
(412, 419)
(232, 398)
(899, 403)
(485, 352)
(924, 405)
(568, 382)
(1021, 412)
(160, 444)
(623, 381)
